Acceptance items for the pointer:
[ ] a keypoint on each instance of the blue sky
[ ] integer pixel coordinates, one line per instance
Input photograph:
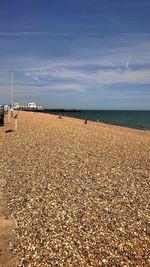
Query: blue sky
(88, 54)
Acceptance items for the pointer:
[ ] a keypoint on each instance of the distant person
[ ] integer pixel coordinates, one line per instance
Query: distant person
(85, 122)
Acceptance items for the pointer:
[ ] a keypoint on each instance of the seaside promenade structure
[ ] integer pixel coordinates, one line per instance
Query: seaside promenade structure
(76, 194)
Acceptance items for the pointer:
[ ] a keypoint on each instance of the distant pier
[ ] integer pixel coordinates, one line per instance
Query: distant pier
(45, 110)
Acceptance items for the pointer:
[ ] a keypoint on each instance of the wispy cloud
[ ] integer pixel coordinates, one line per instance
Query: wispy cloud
(34, 33)
(101, 76)
(130, 77)
(33, 88)
(122, 53)
(57, 73)
(47, 33)
(64, 87)
(122, 66)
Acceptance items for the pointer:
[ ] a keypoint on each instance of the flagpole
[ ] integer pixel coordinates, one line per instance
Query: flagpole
(12, 93)
(12, 89)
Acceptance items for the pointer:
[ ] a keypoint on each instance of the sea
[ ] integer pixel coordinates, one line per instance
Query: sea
(131, 119)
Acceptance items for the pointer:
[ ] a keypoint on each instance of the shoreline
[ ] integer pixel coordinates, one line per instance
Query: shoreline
(96, 123)
(79, 193)
(59, 112)
(109, 124)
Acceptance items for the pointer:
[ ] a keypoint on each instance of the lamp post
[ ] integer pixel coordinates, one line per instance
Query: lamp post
(12, 93)
(10, 112)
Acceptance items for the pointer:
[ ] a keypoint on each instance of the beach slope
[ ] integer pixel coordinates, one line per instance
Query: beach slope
(79, 193)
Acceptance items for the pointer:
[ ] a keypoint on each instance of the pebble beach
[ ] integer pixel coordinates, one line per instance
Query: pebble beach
(80, 194)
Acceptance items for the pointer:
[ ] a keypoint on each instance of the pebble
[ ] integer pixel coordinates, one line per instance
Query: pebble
(79, 195)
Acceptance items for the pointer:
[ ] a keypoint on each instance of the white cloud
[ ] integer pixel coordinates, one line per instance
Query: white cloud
(130, 77)
(117, 64)
(65, 87)
(57, 73)
(135, 52)
(33, 89)
(110, 76)
(35, 77)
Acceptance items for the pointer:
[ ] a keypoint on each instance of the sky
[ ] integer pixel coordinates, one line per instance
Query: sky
(84, 54)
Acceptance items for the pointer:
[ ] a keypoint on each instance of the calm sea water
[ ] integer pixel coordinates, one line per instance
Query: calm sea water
(132, 119)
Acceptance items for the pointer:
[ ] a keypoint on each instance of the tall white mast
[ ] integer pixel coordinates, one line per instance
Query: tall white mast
(12, 89)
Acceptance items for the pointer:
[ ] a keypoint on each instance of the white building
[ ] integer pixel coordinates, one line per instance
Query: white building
(32, 105)
(16, 106)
